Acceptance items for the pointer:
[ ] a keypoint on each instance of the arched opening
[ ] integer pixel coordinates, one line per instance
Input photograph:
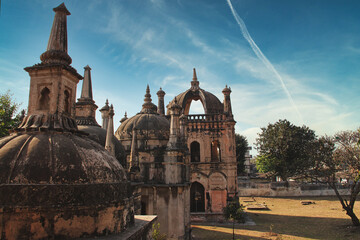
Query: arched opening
(44, 101)
(196, 107)
(66, 101)
(197, 197)
(195, 151)
(215, 151)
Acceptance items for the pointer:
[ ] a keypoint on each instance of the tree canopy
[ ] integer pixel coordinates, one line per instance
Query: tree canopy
(284, 149)
(8, 109)
(241, 145)
(339, 158)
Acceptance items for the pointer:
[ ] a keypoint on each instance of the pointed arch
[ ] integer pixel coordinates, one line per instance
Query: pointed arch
(197, 197)
(195, 151)
(44, 100)
(215, 151)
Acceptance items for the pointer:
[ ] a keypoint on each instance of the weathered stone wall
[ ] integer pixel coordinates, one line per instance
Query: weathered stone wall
(171, 205)
(279, 189)
(218, 178)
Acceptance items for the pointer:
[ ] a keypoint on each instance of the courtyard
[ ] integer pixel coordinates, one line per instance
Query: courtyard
(288, 218)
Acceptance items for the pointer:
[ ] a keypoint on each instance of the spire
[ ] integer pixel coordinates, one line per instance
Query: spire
(85, 106)
(161, 106)
(105, 114)
(194, 82)
(134, 169)
(109, 143)
(148, 106)
(57, 49)
(194, 75)
(86, 92)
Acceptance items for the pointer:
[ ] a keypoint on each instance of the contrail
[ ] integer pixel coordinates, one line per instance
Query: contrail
(262, 57)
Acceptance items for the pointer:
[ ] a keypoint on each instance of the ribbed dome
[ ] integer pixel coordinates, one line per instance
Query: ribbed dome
(56, 158)
(150, 123)
(98, 134)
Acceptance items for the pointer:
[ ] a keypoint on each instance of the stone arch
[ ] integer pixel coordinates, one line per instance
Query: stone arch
(44, 100)
(197, 197)
(215, 151)
(195, 151)
(193, 96)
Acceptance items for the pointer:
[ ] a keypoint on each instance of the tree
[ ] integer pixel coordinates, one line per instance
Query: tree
(344, 163)
(241, 145)
(284, 149)
(7, 111)
(235, 211)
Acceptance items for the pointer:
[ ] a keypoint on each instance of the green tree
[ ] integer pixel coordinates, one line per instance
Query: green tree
(8, 109)
(343, 163)
(234, 211)
(241, 145)
(284, 149)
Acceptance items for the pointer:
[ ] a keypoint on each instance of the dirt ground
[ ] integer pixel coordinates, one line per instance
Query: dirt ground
(288, 218)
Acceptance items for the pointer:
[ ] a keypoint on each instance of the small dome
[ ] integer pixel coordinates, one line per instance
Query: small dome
(151, 123)
(148, 122)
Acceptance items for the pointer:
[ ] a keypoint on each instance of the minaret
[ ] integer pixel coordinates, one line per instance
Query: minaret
(194, 82)
(227, 102)
(86, 107)
(161, 108)
(53, 82)
(105, 114)
(109, 144)
(174, 109)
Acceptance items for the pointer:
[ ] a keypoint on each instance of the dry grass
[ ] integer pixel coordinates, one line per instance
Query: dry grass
(289, 219)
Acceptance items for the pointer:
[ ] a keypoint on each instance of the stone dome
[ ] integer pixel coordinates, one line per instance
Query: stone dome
(153, 124)
(98, 134)
(148, 123)
(56, 158)
(61, 179)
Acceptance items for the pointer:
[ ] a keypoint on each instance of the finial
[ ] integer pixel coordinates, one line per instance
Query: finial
(125, 115)
(57, 48)
(160, 93)
(194, 75)
(107, 102)
(194, 82)
(148, 106)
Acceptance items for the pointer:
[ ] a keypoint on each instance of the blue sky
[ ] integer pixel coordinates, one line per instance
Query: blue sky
(313, 46)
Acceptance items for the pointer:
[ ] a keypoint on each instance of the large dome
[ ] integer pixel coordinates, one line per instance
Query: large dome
(56, 158)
